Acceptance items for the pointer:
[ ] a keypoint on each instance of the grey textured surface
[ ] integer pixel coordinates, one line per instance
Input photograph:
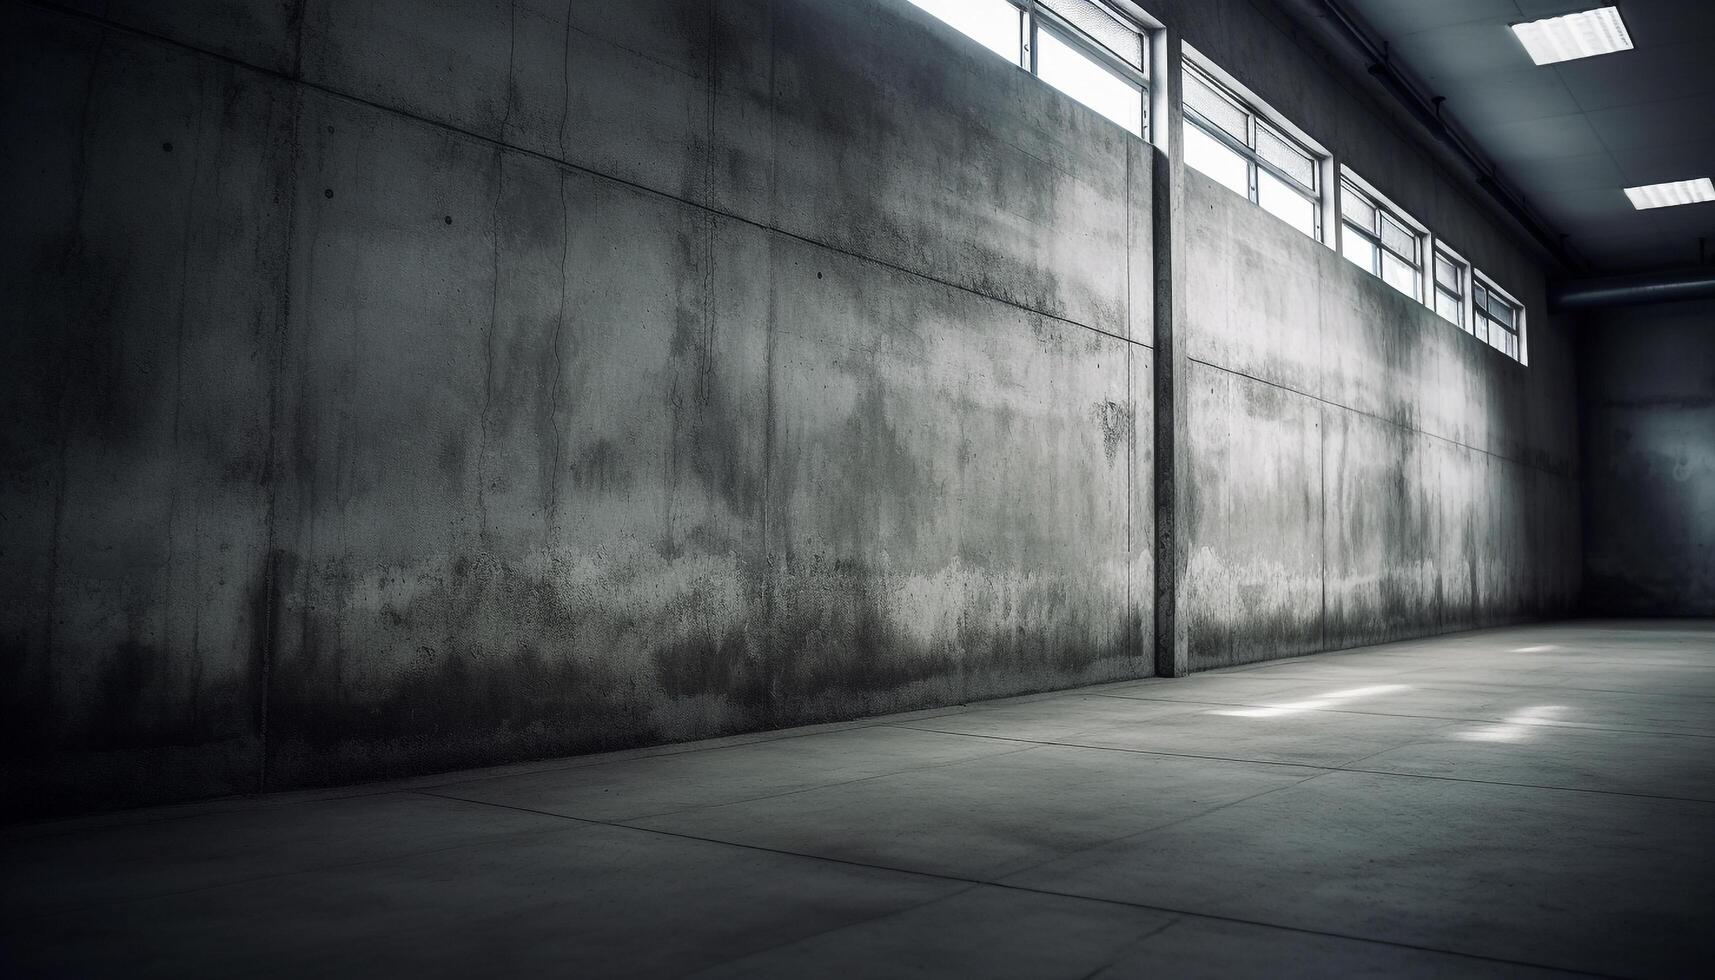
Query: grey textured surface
(1363, 471)
(438, 386)
(394, 387)
(1480, 804)
(1649, 426)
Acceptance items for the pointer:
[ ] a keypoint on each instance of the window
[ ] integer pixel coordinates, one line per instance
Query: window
(995, 24)
(1450, 278)
(1380, 239)
(1080, 47)
(1496, 319)
(1065, 65)
(1228, 140)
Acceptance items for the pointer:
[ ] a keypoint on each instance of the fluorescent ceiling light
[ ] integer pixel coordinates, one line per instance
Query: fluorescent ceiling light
(1671, 193)
(1579, 35)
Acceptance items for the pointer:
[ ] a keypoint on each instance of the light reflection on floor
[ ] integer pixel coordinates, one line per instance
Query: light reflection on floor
(1329, 700)
(1517, 726)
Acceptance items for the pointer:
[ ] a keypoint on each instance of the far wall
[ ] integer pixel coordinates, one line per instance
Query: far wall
(1649, 437)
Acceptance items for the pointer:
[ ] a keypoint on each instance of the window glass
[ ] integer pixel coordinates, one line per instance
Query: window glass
(1226, 138)
(1359, 249)
(1501, 310)
(1295, 163)
(1356, 208)
(1495, 321)
(1399, 274)
(1479, 312)
(1217, 159)
(996, 24)
(1215, 107)
(1447, 273)
(1447, 305)
(1400, 239)
(1395, 246)
(1077, 74)
(1101, 26)
(1279, 199)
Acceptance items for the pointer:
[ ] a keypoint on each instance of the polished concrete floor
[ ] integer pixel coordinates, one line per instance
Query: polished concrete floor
(1481, 804)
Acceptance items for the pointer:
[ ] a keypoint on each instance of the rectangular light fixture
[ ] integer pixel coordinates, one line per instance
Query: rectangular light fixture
(1580, 35)
(1671, 193)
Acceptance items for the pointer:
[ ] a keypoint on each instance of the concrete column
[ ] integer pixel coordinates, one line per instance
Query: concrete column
(1172, 476)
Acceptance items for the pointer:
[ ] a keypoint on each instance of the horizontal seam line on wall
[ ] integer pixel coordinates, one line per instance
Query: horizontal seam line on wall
(1379, 418)
(501, 144)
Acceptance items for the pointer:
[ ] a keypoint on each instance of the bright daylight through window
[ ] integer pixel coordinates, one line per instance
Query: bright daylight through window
(1450, 278)
(1080, 47)
(1376, 238)
(1495, 319)
(1099, 57)
(996, 24)
(1226, 139)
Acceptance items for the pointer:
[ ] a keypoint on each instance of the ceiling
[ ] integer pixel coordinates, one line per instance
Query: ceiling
(1570, 136)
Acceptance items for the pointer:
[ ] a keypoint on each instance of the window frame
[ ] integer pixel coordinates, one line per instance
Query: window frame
(1257, 118)
(1035, 17)
(1384, 210)
(1517, 330)
(1463, 298)
(1069, 34)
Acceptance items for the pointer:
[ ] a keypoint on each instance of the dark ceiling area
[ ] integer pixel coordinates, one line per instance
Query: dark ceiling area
(1570, 136)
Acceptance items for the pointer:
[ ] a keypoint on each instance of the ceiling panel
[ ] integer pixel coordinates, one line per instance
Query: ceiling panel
(1462, 51)
(1638, 77)
(1571, 136)
(1659, 164)
(1654, 124)
(1513, 96)
(1653, 22)
(1587, 172)
(1399, 18)
(1601, 203)
(1540, 139)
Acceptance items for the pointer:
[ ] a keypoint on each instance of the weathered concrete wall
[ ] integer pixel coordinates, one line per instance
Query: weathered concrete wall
(1649, 428)
(1364, 471)
(396, 386)
(1361, 470)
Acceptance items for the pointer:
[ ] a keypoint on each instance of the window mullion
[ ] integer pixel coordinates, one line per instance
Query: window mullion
(1032, 34)
(1250, 144)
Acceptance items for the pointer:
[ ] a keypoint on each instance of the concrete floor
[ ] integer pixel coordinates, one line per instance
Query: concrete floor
(1478, 804)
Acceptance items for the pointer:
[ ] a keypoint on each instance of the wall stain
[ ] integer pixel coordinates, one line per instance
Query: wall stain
(1117, 422)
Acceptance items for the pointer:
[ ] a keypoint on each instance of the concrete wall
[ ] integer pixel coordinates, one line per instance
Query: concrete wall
(397, 386)
(1363, 470)
(1649, 431)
